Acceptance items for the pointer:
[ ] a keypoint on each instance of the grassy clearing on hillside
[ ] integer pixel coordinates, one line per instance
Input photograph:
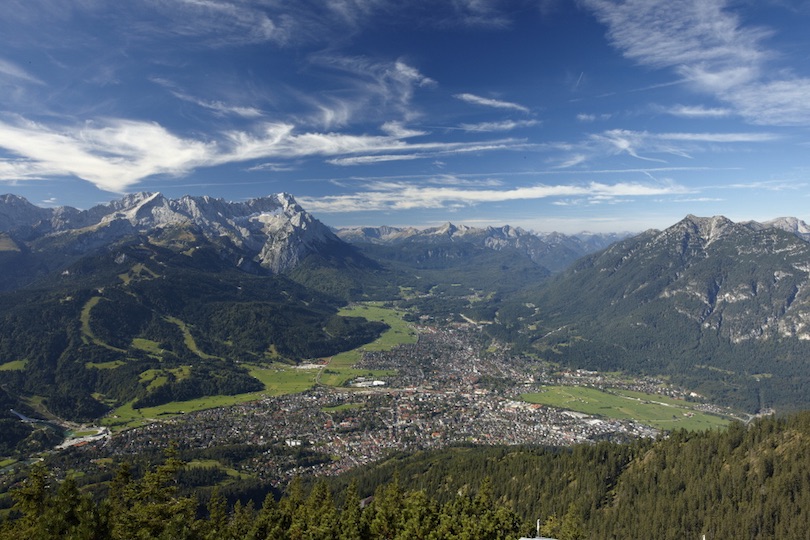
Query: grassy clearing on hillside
(137, 271)
(112, 364)
(344, 407)
(277, 379)
(650, 409)
(14, 365)
(148, 346)
(188, 339)
(398, 333)
(7, 244)
(87, 333)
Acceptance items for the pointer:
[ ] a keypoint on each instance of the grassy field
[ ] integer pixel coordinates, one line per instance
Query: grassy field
(148, 346)
(214, 464)
(14, 365)
(87, 333)
(344, 407)
(112, 364)
(398, 333)
(188, 339)
(650, 409)
(278, 379)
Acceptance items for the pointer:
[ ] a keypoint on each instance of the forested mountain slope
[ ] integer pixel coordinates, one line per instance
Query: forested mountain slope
(721, 307)
(744, 482)
(84, 342)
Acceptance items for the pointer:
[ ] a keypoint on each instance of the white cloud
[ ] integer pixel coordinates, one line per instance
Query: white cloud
(488, 102)
(14, 71)
(117, 154)
(622, 141)
(676, 33)
(640, 144)
(360, 87)
(692, 111)
(221, 108)
(572, 161)
(708, 45)
(718, 137)
(506, 125)
(584, 117)
(383, 196)
(221, 23)
(397, 130)
(430, 150)
(113, 155)
(781, 102)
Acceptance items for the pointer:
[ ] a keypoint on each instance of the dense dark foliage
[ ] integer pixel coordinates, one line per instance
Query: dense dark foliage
(743, 482)
(150, 507)
(138, 306)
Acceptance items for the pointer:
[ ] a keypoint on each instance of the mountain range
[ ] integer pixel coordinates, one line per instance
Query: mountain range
(718, 306)
(554, 251)
(181, 289)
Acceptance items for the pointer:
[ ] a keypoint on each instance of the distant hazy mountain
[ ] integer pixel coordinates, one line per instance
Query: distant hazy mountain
(722, 305)
(554, 251)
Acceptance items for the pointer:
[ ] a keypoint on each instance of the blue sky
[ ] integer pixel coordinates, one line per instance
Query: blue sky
(551, 115)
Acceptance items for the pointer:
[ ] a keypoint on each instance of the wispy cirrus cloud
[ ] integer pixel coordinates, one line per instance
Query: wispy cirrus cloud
(489, 102)
(432, 150)
(112, 155)
(13, 71)
(382, 196)
(505, 125)
(358, 85)
(219, 108)
(222, 23)
(398, 130)
(643, 145)
(708, 46)
(588, 117)
(117, 154)
(695, 111)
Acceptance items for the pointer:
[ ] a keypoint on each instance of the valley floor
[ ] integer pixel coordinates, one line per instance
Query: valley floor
(447, 390)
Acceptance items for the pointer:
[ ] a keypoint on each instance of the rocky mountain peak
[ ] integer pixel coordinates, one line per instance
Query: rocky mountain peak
(708, 228)
(16, 211)
(791, 225)
(273, 232)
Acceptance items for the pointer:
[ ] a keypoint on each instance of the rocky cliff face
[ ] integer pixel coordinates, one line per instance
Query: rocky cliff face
(272, 232)
(741, 281)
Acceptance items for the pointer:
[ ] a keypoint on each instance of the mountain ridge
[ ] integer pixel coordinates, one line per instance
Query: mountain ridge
(554, 251)
(267, 234)
(703, 301)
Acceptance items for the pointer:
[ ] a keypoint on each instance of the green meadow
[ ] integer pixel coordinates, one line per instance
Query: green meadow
(278, 379)
(398, 333)
(214, 464)
(649, 409)
(14, 365)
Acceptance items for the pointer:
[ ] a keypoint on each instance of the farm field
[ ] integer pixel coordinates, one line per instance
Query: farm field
(653, 410)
